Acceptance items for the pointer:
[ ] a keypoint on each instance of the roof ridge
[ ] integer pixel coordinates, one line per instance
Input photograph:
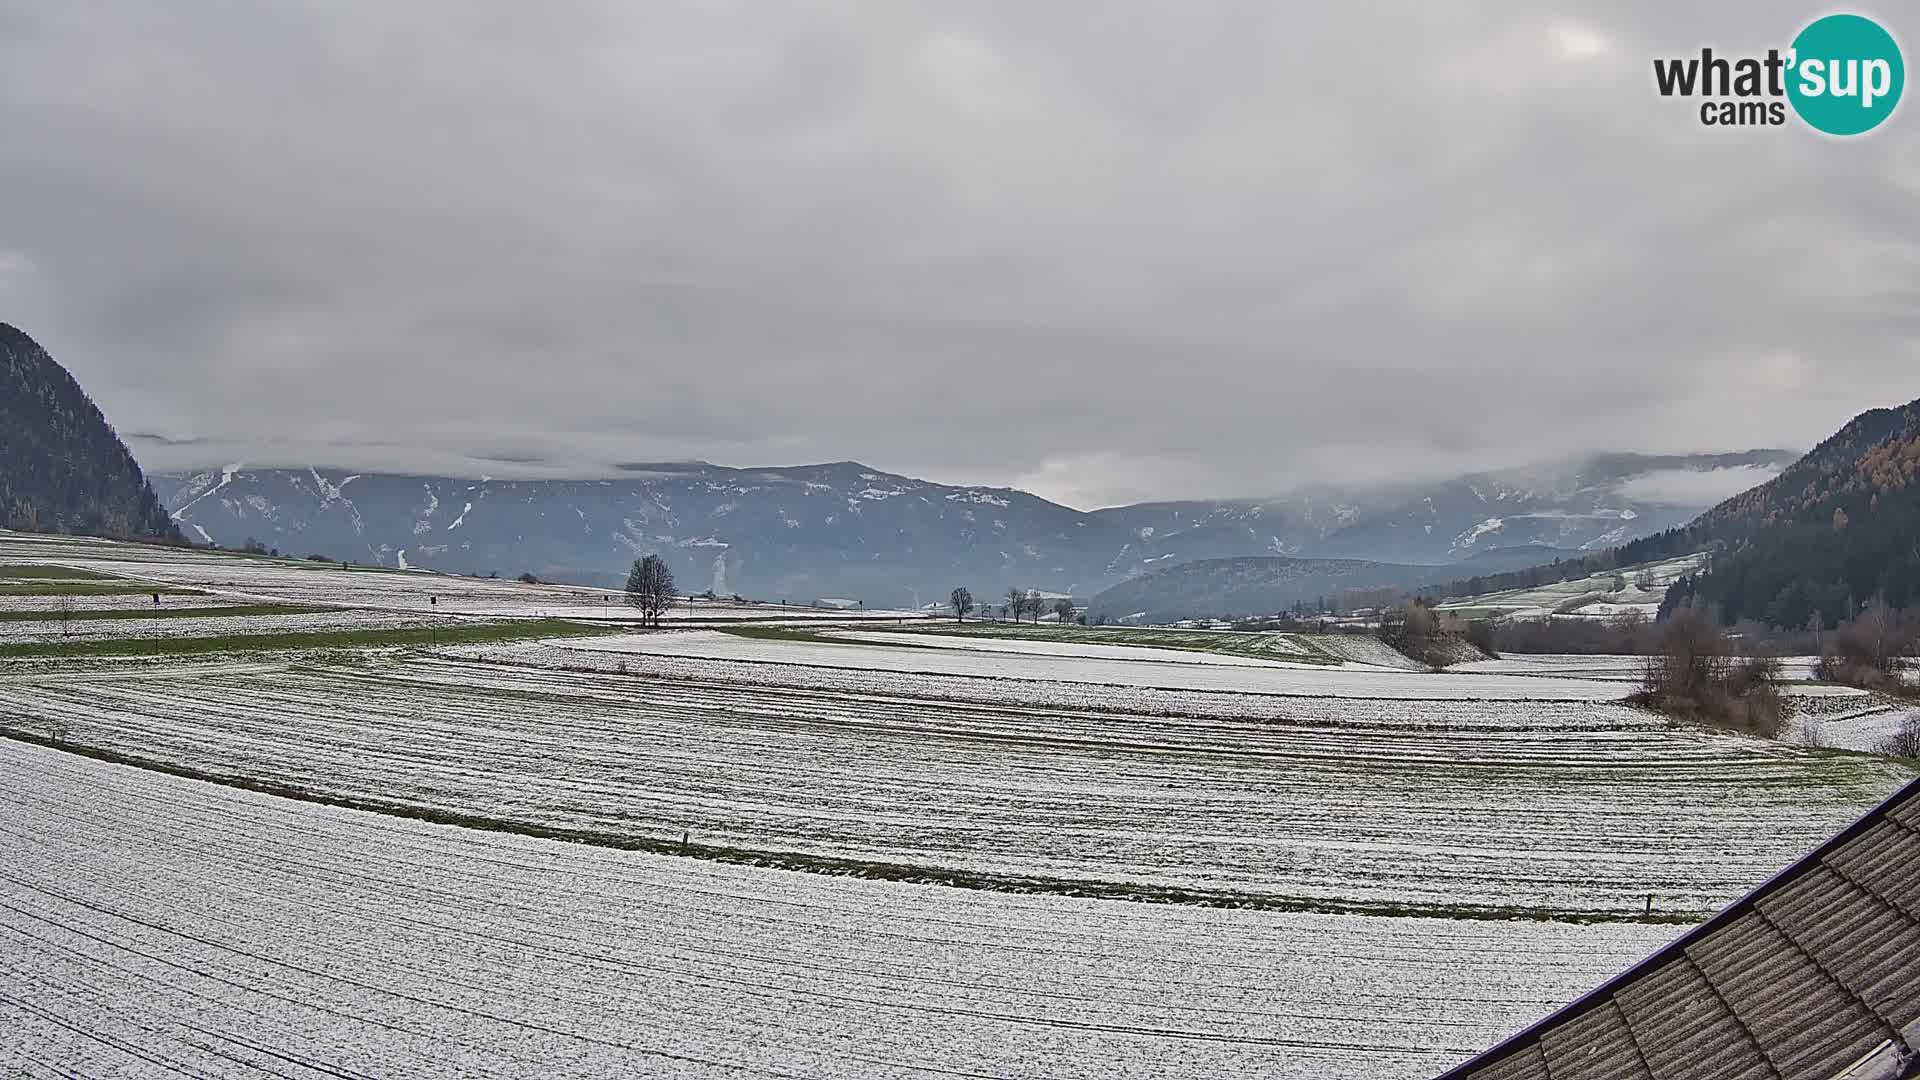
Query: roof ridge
(1678, 947)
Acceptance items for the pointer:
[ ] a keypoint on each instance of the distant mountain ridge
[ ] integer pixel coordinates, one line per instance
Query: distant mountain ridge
(1835, 529)
(846, 530)
(62, 467)
(1581, 504)
(837, 530)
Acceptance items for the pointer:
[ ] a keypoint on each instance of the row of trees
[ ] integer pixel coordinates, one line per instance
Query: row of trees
(1021, 603)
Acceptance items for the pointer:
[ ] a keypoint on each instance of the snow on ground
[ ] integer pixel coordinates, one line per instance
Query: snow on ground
(1039, 693)
(1031, 646)
(1602, 666)
(121, 602)
(287, 581)
(1346, 681)
(1587, 597)
(1629, 670)
(1365, 649)
(1463, 804)
(213, 625)
(158, 926)
(1864, 724)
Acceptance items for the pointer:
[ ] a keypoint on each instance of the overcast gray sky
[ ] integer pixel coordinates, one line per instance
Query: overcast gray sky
(1106, 251)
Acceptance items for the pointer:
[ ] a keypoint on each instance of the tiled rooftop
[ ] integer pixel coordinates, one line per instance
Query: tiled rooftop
(1814, 975)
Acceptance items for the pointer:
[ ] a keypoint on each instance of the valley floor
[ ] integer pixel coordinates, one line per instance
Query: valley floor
(160, 926)
(301, 840)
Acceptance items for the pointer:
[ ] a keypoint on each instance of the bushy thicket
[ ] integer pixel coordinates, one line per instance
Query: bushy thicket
(1693, 675)
(1873, 651)
(1417, 631)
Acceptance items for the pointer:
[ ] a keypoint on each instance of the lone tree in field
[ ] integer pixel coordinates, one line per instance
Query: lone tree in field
(1016, 602)
(1063, 610)
(650, 588)
(962, 601)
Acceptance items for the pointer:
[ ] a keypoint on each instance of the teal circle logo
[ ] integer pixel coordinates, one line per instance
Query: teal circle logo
(1846, 74)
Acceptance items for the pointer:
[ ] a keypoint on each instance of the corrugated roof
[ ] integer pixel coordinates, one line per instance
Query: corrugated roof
(1815, 974)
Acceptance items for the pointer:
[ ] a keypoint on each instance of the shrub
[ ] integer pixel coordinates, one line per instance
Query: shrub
(1692, 676)
(1871, 651)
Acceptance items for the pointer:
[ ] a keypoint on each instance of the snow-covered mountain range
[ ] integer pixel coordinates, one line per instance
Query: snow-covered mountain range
(847, 530)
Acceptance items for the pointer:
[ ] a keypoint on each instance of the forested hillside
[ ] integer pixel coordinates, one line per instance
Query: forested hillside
(62, 468)
(1827, 536)
(1833, 530)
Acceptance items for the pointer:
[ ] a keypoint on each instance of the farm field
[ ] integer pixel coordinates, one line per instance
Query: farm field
(1588, 597)
(167, 926)
(1344, 680)
(191, 623)
(1034, 645)
(1863, 723)
(1459, 807)
(1273, 646)
(1606, 666)
(836, 849)
(261, 579)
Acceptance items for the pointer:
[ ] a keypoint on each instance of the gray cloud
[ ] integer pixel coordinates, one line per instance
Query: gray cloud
(1106, 251)
(1695, 487)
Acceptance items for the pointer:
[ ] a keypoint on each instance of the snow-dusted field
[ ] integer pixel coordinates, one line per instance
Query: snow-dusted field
(1040, 647)
(213, 625)
(124, 602)
(262, 580)
(1608, 666)
(1864, 724)
(1266, 678)
(156, 926)
(1335, 803)
(1588, 597)
(151, 925)
(1037, 692)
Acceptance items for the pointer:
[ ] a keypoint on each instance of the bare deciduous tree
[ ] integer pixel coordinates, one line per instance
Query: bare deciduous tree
(1016, 602)
(1905, 740)
(1693, 675)
(1063, 610)
(1870, 651)
(65, 606)
(962, 601)
(650, 588)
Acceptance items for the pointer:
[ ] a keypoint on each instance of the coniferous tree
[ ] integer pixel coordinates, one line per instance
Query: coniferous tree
(62, 468)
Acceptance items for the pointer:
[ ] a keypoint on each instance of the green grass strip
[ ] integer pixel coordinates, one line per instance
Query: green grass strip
(18, 571)
(811, 636)
(1255, 644)
(450, 634)
(90, 588)
(99, 614)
